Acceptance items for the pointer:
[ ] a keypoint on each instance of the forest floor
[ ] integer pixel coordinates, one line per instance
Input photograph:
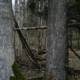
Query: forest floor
(73, 60)
(74, 63)
(35, 74)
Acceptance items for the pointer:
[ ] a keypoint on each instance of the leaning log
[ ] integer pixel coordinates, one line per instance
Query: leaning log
(26, 46)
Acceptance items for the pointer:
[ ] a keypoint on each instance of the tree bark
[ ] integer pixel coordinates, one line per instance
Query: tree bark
(56, 40)
(6, 39)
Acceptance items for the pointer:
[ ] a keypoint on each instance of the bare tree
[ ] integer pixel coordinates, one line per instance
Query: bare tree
(6, 39)
(56, 40)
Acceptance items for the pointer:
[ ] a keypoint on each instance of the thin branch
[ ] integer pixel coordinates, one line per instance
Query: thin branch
(76, 54)
(31, 28)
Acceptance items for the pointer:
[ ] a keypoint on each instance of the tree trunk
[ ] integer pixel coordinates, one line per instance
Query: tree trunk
(56, 40)
(6, 39)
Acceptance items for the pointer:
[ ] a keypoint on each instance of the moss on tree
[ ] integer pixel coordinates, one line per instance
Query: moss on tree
(17, 73)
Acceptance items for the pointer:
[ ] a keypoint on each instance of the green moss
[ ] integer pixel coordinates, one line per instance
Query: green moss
(17, 73)
(12, 78)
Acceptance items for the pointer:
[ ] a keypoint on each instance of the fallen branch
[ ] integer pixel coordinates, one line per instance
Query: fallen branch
(31, 28)
(76, 54)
